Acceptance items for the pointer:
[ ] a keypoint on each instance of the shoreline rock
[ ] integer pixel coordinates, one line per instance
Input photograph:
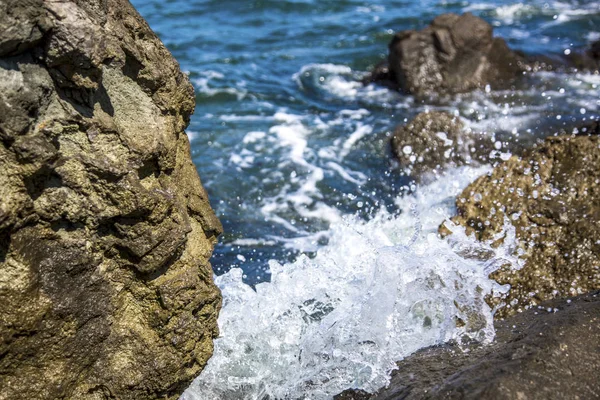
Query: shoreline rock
(105, 229)
(552, 197)
(434, 141)
(454, 54)
(549, 352)
(458, 54)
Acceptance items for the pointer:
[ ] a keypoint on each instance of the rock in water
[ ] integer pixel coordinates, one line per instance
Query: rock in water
(552, 197)
(454, 54)
(434, 141)
(105, 228)
(547, 353)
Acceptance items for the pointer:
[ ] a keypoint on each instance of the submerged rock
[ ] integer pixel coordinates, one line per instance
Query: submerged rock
(105, 229)
(454, 54)
(552, 197)
(549, 352)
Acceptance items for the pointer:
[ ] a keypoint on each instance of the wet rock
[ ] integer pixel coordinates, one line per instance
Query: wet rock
(552, 197)
(105, 228)
(549, 352)
(434, 141)
(577, 60)
(586, 60)
(381, 75)
(454, 54)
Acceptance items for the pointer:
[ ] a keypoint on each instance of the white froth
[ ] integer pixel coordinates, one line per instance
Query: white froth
(360, 132)
(254, 136)
(204, 85)
(293, 135)
(192, 135)
(377, 292)
(341, 82)
(347, 175)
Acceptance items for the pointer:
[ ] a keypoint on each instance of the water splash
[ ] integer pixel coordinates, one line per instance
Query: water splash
(379, 291)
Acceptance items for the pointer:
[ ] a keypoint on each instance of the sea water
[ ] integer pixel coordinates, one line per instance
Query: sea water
(330, 266)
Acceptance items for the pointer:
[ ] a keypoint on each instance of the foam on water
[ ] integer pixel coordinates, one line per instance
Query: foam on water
(212, 83)
(377, 292)
(560, 12)
(340, 82)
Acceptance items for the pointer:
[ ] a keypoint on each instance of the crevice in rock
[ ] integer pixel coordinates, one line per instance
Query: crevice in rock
(42, 179)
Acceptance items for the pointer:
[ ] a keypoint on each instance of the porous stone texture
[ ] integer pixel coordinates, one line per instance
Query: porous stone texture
(105, 229)
(434, 141)
(551, 352)
(454, 54)
(552, 197)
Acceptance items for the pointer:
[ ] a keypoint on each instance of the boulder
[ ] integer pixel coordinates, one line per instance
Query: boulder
(454, 54)
(434, 141)
(552, 197)
(549, 352)
(105, 229)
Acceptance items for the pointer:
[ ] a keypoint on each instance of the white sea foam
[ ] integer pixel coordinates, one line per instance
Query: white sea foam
(205, 85)
(192, 135)
(253, 242)
(560, 12)
(341, 82)
(377, 292)
(301, 194)
(360, 132)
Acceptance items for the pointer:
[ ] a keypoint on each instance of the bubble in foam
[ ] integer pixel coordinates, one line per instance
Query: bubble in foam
(377, 292)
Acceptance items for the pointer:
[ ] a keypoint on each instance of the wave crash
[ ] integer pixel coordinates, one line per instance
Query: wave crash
(377, 292)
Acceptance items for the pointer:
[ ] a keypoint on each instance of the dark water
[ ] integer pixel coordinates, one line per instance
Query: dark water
(287, 142)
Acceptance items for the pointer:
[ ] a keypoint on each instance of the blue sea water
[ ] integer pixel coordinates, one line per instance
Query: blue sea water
(286, 141)
(294, 153)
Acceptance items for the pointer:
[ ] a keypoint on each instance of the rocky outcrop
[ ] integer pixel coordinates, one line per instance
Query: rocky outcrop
(552, 197)
(105, 229)
(549, 352)
(454, 54)
(434, 141)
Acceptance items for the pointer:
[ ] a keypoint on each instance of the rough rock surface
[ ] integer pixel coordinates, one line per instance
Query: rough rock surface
(551, 352)
(105, 229)
(454, 54)
(552, 197)
(436, 140)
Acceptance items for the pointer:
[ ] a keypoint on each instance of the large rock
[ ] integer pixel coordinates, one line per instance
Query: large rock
(548, 353)
(452, 55)
(552, 197)
(105, 229)
(434, 141)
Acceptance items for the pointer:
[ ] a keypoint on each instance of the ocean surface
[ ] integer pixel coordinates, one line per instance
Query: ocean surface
(329, 264)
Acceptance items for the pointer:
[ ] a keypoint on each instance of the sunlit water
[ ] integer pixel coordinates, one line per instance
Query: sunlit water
(294, 153)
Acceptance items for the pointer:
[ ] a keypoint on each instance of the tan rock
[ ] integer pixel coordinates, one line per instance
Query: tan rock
(552, 196)
(105, 229)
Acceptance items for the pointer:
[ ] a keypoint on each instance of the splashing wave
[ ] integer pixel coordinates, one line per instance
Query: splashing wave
(379, 291)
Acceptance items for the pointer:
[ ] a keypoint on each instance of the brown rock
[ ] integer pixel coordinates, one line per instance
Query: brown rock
(105, 229)
(454, 54)
(546, 353)
(552, 197)
(434, 141)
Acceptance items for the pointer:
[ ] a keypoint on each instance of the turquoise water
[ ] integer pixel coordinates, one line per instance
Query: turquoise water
(287, 142)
